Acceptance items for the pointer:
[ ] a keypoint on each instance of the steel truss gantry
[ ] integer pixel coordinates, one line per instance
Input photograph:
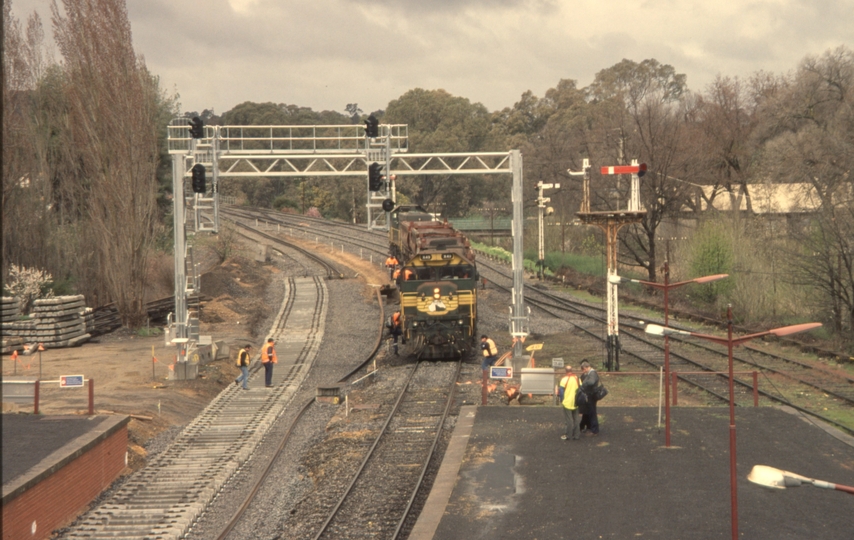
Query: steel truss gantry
(321, 151)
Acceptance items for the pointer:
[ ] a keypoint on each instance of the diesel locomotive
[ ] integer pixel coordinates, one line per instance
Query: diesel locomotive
(437, 285)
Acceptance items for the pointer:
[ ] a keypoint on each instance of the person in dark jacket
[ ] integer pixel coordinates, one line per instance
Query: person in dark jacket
(589, 382)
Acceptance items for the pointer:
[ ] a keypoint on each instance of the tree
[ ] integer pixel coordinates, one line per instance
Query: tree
(809, 140)
(440, 122)
(113, 109)
(639, 111)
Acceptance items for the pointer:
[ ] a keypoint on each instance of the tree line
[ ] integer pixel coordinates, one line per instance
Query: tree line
(86, 176)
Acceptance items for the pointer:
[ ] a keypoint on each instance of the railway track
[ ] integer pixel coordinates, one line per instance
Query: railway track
(165, 498)
(379, 498)
(353, 238)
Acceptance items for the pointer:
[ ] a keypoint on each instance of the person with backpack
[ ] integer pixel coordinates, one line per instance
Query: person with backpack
(566, 390)
(243, 360)
(589, 384)
(268, 358)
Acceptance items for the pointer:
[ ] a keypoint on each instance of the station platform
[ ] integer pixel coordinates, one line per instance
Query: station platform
(508, 475)
(53, 466)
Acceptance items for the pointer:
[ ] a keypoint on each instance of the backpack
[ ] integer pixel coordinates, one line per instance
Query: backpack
(580, 398)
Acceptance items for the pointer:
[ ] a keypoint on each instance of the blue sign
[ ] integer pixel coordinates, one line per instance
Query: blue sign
(70, 381)
(501, 372)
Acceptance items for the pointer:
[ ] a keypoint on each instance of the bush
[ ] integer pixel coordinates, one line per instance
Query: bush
(28, 285)
(711, 253)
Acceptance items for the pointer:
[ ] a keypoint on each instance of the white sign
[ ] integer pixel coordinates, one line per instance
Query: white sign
(501, 372)
(70, 381)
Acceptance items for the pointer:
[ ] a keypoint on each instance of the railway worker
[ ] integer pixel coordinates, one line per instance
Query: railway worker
(490, 352)
(567, 387)
(589, 382)
(268, 358)
(243, 360)
(408, 274)
(390, 263)
(396, 330)
(396, 274)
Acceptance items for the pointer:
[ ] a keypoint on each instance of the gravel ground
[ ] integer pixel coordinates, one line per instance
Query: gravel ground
(350, 333)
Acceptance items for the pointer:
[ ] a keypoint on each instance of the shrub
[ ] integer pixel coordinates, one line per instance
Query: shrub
(711, 252)
(28, 285)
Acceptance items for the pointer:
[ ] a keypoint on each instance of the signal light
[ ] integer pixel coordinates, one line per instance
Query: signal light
(198, 172)
(372, 127)
(197, 127)
(375, 177)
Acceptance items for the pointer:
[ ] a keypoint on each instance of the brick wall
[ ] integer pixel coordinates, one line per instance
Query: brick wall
(58, 499)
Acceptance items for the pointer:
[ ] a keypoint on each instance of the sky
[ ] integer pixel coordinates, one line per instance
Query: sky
(325, 54)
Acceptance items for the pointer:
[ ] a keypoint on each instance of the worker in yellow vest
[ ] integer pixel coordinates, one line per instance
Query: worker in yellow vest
(566, 391)
(268, 358)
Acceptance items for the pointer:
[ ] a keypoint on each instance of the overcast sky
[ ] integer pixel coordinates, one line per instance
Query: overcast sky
(325, 54)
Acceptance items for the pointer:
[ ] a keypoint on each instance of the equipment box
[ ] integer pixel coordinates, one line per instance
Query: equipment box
(538, 381)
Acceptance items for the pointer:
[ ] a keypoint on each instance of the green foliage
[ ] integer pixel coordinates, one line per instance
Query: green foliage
(584, 264)
(591, 246)
(283, 201)
(249, 113)
(711, 253)
(63, 287)
(149, 331)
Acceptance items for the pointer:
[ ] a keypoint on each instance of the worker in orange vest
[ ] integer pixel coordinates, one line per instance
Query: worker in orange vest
(390, 263)
(268, 358)
(395, 329)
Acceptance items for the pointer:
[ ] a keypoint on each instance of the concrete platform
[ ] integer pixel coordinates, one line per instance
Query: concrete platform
(516, 479)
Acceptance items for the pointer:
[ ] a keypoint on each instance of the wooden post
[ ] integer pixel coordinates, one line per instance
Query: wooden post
(91, 397)
(675, 399)
(755, 388)
(36, 399)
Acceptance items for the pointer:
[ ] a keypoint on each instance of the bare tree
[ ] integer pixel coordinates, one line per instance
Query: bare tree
(810, 140)
(113, 109)
(639, 112)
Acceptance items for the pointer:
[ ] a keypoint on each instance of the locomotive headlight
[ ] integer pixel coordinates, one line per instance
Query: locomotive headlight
(461, 322)
(414, 323)
(436, 293)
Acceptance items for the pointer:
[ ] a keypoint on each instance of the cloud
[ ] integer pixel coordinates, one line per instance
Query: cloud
(327, 53)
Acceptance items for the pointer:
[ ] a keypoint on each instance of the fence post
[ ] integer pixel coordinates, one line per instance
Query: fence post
(675, 398)
(484, 391)
(36, 399)
(755, 388)
(91, 397)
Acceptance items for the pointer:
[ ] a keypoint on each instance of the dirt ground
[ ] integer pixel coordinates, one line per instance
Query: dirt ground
(130, 371)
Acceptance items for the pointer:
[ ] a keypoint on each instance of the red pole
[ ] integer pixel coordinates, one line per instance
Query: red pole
(675, 396)
(91, 396)
(755, 388)
(483, 392)
(36, 400)
(733, 478)
(666, 361)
